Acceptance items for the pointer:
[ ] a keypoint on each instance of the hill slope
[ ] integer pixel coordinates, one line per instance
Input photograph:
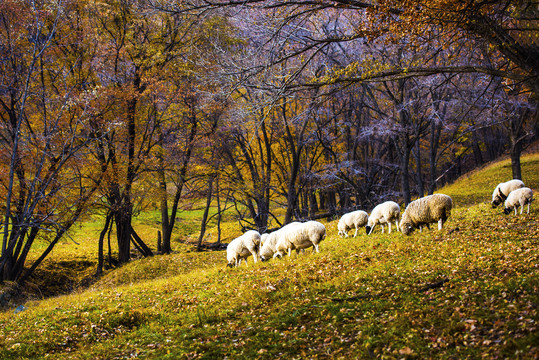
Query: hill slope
(466, 292)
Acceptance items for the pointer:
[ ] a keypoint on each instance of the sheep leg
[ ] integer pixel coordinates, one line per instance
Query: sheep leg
(440, 224)
(355, 234)
(397, 225)
(528, 208)
(372, 228)
(389, 226)
(516, 210)
(382, 228)
(316, 247)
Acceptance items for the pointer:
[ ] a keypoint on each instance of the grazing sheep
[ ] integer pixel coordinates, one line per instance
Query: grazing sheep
(303, 236)
(384, 213)
(503, 189)
(269, 246)
(294, 236)
(263, 238)
(518, 197)
(354, 219)
(242, 247)
(424, 211)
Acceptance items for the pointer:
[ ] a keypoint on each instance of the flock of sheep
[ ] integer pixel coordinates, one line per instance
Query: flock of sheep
(421, 212)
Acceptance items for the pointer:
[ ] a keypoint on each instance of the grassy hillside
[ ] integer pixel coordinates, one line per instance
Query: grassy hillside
(469, 291)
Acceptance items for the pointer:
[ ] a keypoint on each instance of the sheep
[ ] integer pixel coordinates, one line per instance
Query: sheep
(303, 236)
(424, 211)
(518, 197)
(263, 238)
(242, 247)
(503, 189)
(384, 213)
(269, 246)
(354, 219)
(294, 236)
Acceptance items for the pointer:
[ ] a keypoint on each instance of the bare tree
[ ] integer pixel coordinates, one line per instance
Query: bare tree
(43, 137)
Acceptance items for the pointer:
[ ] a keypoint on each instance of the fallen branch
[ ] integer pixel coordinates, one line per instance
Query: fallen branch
(353, 298)
(433, 285)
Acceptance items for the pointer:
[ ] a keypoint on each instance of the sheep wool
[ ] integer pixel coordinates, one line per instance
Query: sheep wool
(303, 236)
(352, 220)
(518, 197)
(242, 247)
(503, 190)
(269, 246)
(384, 213)
(425, 211)
(294, 236)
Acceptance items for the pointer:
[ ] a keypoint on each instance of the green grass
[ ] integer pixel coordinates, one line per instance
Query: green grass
(367, 297)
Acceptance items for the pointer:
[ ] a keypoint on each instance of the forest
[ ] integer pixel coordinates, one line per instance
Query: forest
(315, 108)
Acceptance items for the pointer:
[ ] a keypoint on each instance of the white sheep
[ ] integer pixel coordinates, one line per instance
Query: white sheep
(384, 213)
(503, 189)
(352, 220)
(263, 238)
(242, 247)
(425, 211)
(269, 244)
(294, 236)
(302, 236)
(518, 197)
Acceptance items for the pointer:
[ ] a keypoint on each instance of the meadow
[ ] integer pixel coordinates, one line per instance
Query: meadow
(468, 291)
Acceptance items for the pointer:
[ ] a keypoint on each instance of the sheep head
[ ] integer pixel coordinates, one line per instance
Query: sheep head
(406, 228)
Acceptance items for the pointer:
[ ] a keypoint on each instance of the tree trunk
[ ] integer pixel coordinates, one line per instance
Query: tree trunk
(516, 151)
(404, 155)
(476, 149)
(436, 129)
(100, 255)
(205, 216)
(420, 185)
(313, 203)
(517, 135)
(292, 196)
(219, 214)
(122, 219)
(331, 202)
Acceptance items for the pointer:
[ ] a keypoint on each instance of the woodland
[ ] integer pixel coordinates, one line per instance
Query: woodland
(111, 108)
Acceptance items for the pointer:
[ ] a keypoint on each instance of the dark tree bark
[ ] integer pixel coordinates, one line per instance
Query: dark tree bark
(100, 254)
(204, 221)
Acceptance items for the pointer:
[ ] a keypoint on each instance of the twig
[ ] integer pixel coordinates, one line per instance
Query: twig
(433, 285)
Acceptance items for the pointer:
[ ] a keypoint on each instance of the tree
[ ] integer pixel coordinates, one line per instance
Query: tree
(508, 27)
(190, 106)
(506, 30)
(43, 137)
